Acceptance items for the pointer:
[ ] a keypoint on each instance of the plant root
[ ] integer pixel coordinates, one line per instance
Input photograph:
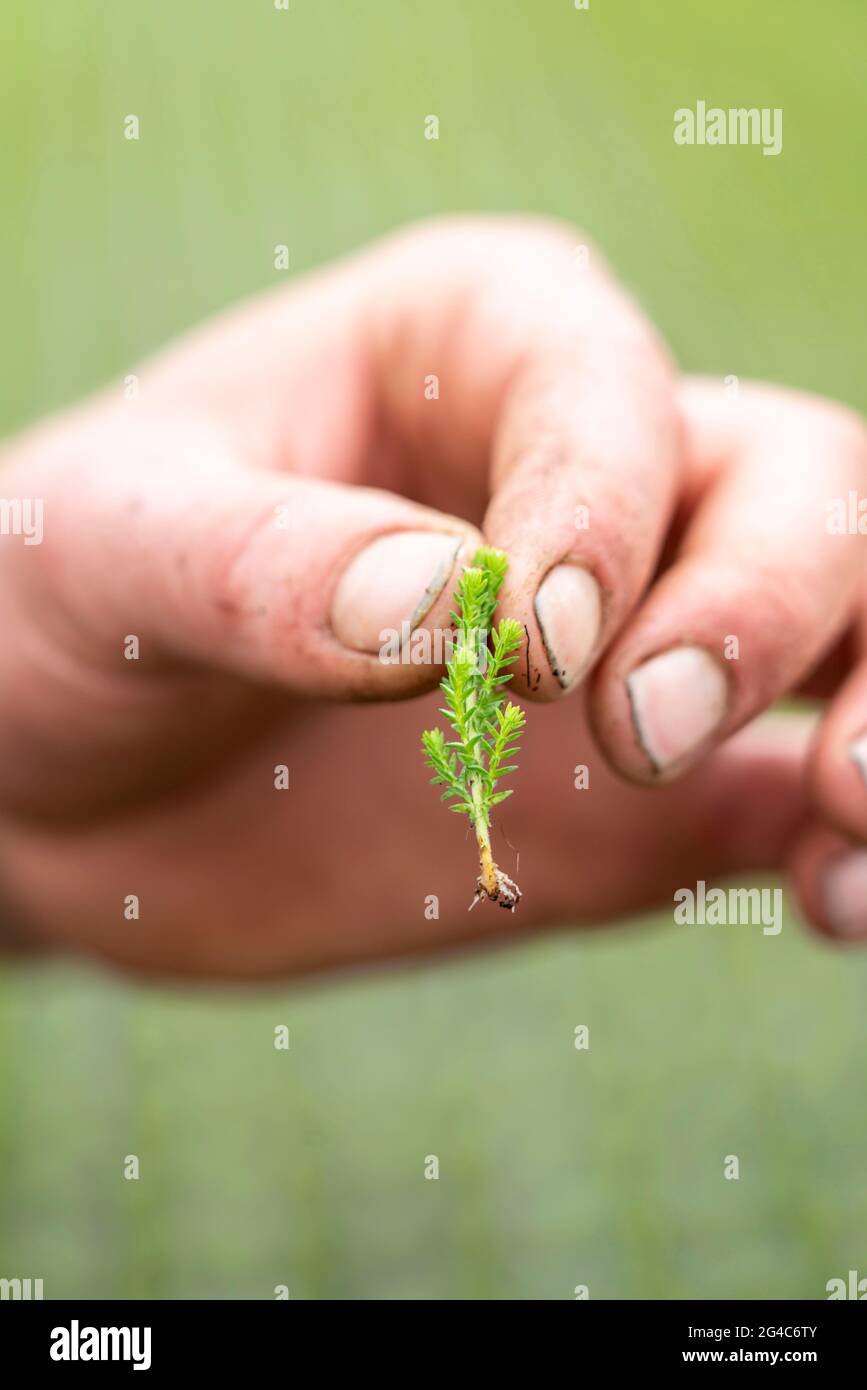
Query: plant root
(497, 888)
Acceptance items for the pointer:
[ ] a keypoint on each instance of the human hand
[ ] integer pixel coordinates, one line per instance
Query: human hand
(288, 485)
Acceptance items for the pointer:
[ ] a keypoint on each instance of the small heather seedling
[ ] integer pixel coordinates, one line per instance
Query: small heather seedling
(471, 764)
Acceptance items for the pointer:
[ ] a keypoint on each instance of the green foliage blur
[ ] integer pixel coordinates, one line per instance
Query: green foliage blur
(558, 1167)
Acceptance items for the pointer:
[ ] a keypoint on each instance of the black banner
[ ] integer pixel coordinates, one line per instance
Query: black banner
(155, 1339)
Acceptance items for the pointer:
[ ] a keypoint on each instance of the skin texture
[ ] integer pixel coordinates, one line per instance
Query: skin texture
(155, 777)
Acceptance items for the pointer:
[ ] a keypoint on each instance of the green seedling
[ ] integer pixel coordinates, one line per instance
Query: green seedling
(471, 765)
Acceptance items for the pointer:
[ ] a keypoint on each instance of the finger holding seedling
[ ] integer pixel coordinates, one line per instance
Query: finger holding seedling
(555, 418)
(306, 583)
(585, 472)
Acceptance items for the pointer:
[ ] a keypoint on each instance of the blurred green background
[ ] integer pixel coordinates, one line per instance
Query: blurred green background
(558, 1167)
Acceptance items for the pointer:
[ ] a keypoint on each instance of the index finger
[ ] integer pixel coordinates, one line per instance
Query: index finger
(484, 367)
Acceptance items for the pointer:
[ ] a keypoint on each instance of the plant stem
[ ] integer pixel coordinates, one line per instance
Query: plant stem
(483, 839)
(480, 820)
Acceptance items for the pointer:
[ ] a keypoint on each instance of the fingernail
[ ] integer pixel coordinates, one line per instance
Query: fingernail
(394, 580)
(845, 887)
(858, 754)
(569, 613)
(678, 699)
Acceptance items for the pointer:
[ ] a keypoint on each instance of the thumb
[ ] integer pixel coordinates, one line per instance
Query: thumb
(313, 585)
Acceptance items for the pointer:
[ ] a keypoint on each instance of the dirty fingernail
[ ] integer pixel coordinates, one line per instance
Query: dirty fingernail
(845, 886)
(392, 582)
(569, 613)
(677, 699)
